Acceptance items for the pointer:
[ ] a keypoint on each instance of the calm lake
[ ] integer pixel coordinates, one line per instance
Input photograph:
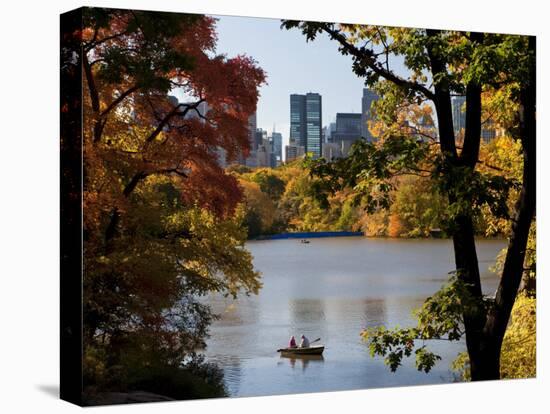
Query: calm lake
(333, 288)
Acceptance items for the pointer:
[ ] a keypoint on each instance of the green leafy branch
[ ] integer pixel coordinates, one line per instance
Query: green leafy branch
(439, 318)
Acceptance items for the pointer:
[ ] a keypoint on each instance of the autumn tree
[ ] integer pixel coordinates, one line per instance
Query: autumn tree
(442, 64)
(418, 207)
(258, 210)
(159, 231)
(269, 183)
(300, 209)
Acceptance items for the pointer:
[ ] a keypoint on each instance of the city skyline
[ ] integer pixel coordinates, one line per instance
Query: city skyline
(294, 66)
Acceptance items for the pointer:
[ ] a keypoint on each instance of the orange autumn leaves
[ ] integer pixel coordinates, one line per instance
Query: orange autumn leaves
(159, 212)
(133, 128)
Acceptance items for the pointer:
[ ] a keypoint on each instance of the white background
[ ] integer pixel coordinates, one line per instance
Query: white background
(29, 206)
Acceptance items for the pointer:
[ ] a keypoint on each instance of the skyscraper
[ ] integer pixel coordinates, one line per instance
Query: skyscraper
(293, 152)
(306, 122)
(297, 120)
(250, 160)
(260, 136)
(277, 140)
(331, 150)
(348, 130)
(366, 101)
(331, 129)
(314, 124)
(348, 126)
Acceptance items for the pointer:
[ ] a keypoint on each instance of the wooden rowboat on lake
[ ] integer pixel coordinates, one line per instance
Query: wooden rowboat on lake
(311, 350)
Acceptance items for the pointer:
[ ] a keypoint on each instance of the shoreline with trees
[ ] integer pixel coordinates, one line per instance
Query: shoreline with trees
(284, 199)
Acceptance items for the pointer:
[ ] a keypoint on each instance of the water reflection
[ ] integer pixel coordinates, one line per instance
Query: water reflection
(332, 291)
(244, 311)
(306, 311)
(307, 317)
(232, 370)
(375, 312)
(303, 360)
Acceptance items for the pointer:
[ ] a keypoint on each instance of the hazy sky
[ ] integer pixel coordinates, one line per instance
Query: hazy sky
(292, 66)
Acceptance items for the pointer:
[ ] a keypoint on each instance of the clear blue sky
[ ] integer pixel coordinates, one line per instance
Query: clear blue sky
(292, 66)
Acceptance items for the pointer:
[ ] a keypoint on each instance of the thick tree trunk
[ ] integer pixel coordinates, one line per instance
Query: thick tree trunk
(485, 357)
(485, 331)
(467, 268)
(486, 364)
(512, 272)
(482, 359)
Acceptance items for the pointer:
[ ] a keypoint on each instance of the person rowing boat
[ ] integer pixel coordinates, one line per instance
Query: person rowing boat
(305, 347)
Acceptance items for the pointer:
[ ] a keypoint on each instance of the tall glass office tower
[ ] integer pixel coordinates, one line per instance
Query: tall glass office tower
(314, 124)
(306, 122)
(297, 120)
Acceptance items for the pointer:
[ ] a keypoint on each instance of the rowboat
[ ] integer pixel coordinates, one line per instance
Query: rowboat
(311, 350)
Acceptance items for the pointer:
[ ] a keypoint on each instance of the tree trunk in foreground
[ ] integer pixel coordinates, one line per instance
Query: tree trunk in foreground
(499, 315)
(485, 330)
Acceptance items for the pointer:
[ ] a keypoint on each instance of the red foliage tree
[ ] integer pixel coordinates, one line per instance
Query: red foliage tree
(158, 228)
(133, 128)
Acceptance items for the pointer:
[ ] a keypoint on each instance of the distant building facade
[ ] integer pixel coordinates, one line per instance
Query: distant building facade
(459, 115)
(252, 126)
(293, 152)
(314, 124)
(251, 161)
(348, 130)
(259, 137)
(368, 98)
(489, 130)
(277, 144)
(298, 120)
(331, 151)
(348, 127)
(330, 130)
(306, 123)
(264, 155)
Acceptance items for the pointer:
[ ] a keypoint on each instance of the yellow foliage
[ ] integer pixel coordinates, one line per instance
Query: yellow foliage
(518, 358)
(376, 224)
(259, 202)
(394, 227)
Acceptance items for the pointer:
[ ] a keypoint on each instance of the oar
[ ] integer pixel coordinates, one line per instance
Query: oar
(283, 349)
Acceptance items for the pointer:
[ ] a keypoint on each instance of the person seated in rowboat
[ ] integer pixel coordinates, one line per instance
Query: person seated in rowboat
(292, 343)
(304, 343)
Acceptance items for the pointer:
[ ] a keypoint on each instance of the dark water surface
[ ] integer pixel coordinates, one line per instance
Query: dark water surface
(333, 288)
